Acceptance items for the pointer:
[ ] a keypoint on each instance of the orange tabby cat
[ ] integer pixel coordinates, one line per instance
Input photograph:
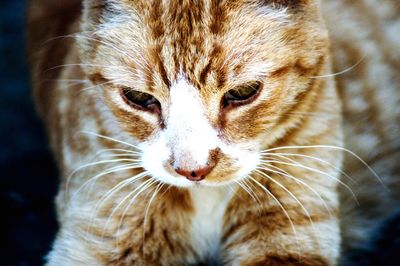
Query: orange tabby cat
(210, 131)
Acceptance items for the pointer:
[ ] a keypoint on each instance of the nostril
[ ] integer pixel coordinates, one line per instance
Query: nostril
(194, 175)
(203, 171)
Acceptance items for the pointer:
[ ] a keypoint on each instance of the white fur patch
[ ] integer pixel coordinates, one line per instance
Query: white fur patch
(189, 133)
(206, 231)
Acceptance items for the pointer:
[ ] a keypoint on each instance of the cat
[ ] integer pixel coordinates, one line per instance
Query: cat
(218, 132)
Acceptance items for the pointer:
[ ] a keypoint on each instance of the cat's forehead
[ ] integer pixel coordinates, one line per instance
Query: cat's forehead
(196, 38)
(190, 23)
(210, 41)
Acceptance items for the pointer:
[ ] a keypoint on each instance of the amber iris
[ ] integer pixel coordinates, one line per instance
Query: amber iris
(138, 99)
(242, 94)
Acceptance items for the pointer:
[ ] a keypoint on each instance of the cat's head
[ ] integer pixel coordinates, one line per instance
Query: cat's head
(203, 86)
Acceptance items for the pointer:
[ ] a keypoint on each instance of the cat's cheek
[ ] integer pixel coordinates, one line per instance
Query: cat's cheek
(137, 127)
(240, 159)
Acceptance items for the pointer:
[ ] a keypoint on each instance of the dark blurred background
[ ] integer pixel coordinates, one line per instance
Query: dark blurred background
(28, 179)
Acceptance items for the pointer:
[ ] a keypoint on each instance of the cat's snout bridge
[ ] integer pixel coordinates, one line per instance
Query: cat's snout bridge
(194, 171)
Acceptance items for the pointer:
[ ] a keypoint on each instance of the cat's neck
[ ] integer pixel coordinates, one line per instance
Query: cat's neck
(210, 206)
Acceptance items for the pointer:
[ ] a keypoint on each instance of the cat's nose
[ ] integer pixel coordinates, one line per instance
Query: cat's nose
(195, 175)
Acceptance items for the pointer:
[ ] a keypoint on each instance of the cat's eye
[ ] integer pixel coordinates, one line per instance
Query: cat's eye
(140, 100)
(242, 94)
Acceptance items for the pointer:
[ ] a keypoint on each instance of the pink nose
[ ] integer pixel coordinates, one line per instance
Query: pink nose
(195, 175)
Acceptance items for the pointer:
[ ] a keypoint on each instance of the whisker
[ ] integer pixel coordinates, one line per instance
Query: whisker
(133, 157)
(103, 162)
(109, 138)
(104, 153)
(108, 195)
(119, 150)
(120, 51)
(158, 188)
(251, 187)
(283, 155)
(113, 170)
(73, 35)
(108, 44)
(120, 155)
(113, 190)
(86, 65)
(341, 72)
(298, 180)
(67, 183)
(333, 148)
(281, 207)
(311, 114)
(292, 195)
(316, 171)
(247, 190)
(115, 209)
(116, 188)
(148, 184)
(99, 85)
(251, 192)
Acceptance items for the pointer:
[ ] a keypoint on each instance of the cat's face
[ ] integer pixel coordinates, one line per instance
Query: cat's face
(203, 86)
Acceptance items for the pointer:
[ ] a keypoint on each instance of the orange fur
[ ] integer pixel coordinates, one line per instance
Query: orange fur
(286, 210)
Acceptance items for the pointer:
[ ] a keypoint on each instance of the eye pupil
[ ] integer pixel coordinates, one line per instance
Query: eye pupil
(242, 94)
(138, 99)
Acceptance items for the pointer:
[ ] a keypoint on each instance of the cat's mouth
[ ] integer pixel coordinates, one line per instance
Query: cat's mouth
(221, 172)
